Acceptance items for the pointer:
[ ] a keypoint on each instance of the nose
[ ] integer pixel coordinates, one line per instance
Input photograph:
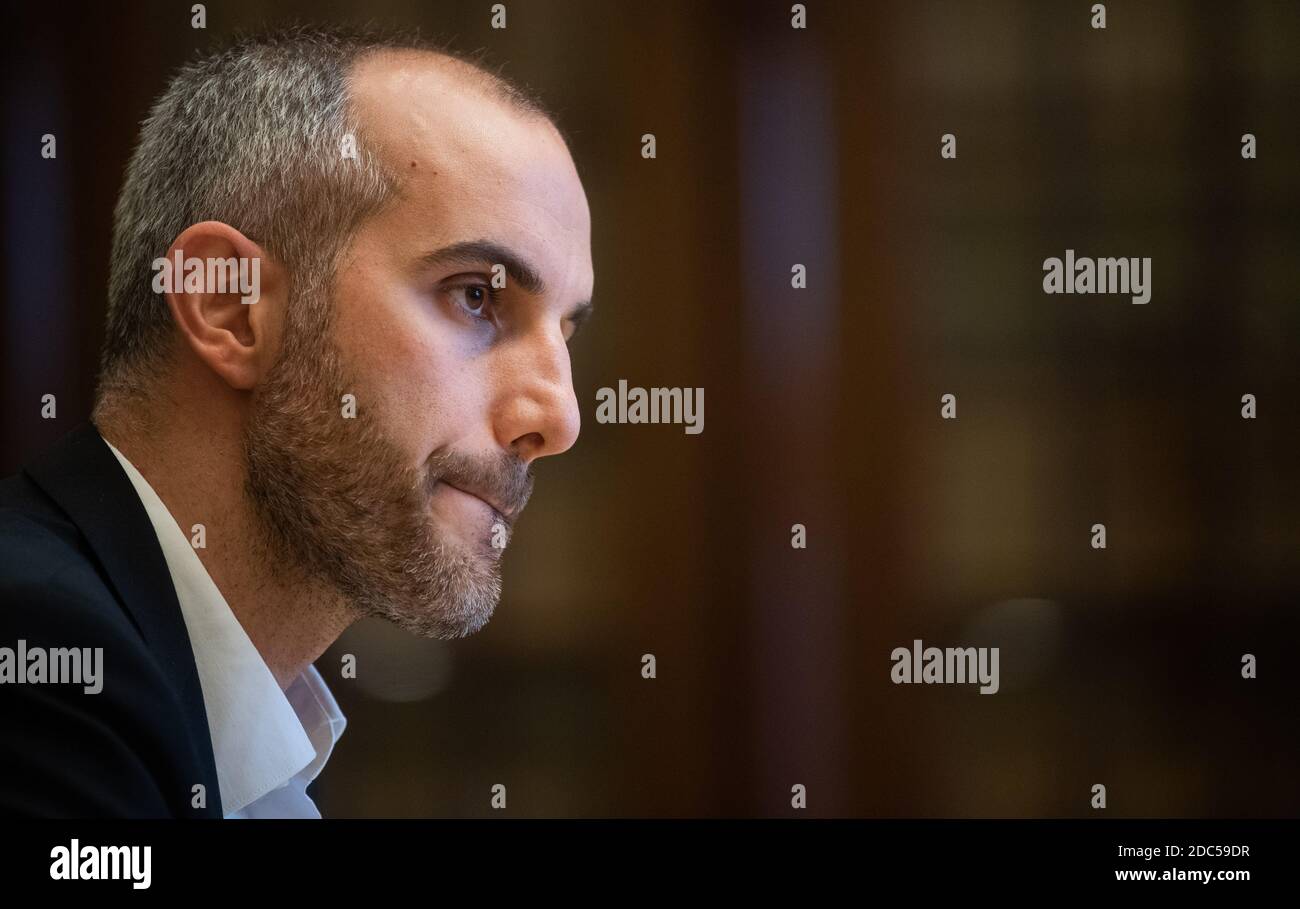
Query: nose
(538, 414)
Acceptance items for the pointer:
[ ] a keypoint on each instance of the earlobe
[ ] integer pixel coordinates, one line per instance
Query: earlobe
(223, 292)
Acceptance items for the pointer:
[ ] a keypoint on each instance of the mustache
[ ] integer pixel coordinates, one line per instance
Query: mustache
(503, 481)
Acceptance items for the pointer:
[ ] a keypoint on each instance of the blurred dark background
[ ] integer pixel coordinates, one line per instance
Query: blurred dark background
(821, 146)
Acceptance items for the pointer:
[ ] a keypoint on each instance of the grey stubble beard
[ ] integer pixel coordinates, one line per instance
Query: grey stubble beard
(335, 498)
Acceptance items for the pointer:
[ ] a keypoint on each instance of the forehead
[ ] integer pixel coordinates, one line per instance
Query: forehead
(470, 165)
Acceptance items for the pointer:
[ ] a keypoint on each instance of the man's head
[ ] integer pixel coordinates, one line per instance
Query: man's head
(390, 398)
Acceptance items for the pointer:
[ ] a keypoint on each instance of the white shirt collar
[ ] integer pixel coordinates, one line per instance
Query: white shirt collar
(263, 739)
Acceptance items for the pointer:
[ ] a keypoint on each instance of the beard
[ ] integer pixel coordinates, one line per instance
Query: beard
(338, 499)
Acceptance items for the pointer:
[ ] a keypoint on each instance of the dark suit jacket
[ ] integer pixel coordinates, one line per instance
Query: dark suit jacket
(80, 566)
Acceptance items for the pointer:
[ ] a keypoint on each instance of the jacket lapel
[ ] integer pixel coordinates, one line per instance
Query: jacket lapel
(83, 476)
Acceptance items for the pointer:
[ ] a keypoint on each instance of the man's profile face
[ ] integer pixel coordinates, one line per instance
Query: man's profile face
(406, 505)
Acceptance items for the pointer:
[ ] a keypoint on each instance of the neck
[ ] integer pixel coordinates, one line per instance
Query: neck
(197, 470)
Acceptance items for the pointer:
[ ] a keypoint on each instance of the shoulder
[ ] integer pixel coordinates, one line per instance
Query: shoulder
(99, 718)
(49, 578)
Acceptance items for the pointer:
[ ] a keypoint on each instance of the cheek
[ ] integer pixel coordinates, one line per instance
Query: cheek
(417, 366)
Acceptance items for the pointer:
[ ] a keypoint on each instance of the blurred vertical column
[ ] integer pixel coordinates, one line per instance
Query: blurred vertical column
(788, 185)
(36, 339)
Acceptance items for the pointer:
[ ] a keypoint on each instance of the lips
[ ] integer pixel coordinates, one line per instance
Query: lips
(486, 499)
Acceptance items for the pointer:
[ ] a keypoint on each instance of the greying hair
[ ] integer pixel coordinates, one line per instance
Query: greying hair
(253, 136)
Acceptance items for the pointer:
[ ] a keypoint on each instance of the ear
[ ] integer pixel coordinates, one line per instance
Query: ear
(226, 298)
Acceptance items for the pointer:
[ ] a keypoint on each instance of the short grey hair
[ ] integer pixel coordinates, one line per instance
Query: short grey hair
(252, 135)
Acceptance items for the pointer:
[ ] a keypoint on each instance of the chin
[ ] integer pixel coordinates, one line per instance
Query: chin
(455, 601)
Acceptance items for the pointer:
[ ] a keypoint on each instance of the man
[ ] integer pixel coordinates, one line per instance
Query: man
(344, 428)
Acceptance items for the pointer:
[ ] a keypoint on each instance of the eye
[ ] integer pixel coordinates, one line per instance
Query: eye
(475, 299)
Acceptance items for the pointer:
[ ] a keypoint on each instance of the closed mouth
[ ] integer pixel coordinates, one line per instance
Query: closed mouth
(490, 503)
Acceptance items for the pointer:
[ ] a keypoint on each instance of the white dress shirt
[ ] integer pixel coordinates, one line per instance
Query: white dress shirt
(268, 744)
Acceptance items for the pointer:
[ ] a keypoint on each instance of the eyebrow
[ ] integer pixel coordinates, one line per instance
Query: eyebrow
(521, 272)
